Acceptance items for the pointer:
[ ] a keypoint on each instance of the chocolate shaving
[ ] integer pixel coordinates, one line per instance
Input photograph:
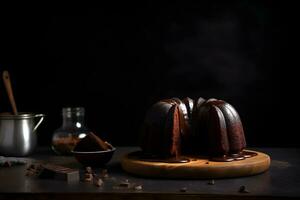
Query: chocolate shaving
(243, 189)
(92, 142)
(211, 182)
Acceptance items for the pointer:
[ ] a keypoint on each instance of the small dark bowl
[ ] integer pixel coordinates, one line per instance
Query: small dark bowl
(94, 158)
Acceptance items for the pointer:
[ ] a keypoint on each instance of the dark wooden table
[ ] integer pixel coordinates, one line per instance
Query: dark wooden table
(281, 181)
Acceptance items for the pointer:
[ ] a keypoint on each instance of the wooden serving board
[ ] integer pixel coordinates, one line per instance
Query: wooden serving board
(197, 168)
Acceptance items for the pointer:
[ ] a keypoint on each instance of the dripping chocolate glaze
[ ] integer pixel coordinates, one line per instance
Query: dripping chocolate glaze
(152, 158)
(234, 157)
(182, 159)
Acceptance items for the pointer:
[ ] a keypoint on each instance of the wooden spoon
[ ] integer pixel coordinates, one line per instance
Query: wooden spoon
(7, 83)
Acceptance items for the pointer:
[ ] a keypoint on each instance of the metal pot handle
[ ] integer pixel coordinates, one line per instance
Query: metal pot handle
(39, 122)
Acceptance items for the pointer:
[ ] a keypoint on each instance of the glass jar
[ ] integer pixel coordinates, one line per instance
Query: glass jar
(73, 129)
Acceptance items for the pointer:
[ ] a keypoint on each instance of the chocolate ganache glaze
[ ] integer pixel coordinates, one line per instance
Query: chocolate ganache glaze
(173, 128)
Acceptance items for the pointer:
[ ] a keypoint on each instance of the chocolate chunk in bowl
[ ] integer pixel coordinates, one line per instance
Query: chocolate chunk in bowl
(93, 151)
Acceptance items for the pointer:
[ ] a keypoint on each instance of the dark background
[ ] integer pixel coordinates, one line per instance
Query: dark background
(116, 60)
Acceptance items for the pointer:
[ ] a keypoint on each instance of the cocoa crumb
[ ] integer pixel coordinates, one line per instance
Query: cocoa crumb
(124, 183)
(243, 189)
(88, 177)
(211, 182)
(88, 170)
(104, 173)
(97, 181)
(138, 187)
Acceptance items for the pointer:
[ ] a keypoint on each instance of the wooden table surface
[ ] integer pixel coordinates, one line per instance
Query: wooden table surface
(281, 181)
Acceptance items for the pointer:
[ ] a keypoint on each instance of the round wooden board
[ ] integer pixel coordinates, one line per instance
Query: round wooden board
(197, 168)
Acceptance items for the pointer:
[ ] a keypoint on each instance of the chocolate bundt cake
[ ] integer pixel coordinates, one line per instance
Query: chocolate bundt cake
(175, 127)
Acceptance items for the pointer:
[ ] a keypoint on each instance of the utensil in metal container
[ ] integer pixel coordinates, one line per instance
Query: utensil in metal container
(18, 133)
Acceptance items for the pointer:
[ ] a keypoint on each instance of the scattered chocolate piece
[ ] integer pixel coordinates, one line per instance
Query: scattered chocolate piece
(138, 187)
(184, 189)
(97, 181)
(88, 177)
(211, 182)
(104, 173)
(30, 173)
(243, 189)
(88, 170)
(59, 172)
(31, 166)
(53, 172)
(33, 170)
(124, 183)
(207, 162)
(105, 176)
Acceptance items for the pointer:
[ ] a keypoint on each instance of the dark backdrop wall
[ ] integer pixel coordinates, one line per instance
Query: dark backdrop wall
(118, 59)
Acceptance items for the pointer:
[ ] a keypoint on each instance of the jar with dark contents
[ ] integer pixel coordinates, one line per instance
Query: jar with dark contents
(72, 130)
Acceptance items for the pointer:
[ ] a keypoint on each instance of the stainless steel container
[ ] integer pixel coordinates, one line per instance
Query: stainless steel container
(18, 133)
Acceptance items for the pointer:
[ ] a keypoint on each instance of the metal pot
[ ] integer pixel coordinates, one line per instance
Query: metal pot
(18, 133)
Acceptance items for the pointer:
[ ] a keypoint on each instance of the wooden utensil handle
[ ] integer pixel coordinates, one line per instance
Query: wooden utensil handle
(7, 83)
